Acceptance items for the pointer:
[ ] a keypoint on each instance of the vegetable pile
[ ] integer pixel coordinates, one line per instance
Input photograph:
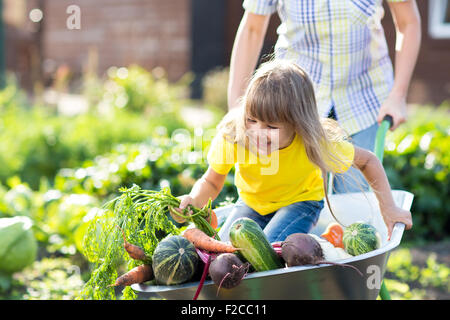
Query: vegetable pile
(129, 228)
(164, 246)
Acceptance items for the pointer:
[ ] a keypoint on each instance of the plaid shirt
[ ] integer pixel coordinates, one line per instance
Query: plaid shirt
(342, 46)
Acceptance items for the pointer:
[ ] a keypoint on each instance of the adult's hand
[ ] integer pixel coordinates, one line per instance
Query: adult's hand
(396, 107)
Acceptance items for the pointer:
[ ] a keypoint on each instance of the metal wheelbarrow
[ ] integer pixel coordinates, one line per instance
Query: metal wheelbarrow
(313, 282)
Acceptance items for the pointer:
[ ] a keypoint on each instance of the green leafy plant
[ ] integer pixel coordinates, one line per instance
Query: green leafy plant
(37, 141)
(158, 162)
(214, 85)
(140, 90)
(19, 247)
(51, 278)
(409, 278)
(417, 160)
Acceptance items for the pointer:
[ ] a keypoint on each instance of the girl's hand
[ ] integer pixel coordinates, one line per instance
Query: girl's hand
(394, 214)
(185, 201)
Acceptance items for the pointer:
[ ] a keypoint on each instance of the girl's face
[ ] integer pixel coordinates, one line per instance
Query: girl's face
(268, 137)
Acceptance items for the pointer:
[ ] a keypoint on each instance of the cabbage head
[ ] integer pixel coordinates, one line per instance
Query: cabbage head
(18, 247)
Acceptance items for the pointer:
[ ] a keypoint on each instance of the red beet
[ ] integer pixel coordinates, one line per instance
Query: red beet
(300, 249)
(227, 270)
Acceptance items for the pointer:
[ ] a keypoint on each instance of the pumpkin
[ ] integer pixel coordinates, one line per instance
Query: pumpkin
(174, 260)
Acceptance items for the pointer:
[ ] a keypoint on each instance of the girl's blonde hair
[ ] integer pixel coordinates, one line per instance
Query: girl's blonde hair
(281, 92)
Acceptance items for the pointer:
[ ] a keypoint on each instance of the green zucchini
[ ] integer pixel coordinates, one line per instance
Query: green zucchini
(254, 246)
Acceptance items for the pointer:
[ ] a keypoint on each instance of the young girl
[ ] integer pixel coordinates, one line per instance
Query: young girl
(282, 151)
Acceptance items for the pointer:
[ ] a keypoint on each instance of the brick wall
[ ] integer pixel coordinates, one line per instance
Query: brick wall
(21, 45)
(147, 32)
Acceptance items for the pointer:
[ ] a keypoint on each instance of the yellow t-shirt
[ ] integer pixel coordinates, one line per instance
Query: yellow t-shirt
(268, 183)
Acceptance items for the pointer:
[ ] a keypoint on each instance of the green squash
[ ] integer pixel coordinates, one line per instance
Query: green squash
(360, 238)
(174, 260)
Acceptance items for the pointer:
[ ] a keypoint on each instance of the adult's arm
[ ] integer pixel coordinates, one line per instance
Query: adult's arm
(245, 53)
(408, 38)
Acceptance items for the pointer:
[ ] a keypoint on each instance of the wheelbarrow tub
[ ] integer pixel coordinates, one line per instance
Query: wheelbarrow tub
(310, 282)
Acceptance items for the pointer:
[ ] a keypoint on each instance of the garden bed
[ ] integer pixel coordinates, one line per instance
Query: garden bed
(420, 272)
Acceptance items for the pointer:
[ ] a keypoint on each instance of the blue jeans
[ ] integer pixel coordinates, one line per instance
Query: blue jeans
(353, 180)
(296, 217)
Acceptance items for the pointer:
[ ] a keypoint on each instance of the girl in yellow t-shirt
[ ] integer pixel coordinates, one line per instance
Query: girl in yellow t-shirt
(282, 151)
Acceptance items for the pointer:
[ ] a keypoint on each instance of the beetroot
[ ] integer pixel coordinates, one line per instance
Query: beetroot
(227, 270)
(300, 249)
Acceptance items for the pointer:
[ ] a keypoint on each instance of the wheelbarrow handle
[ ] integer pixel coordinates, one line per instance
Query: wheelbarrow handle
(389, 119)
(397, 233)
(386, 123)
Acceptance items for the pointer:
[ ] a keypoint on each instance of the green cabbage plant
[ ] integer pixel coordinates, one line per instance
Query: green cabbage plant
(18, 245)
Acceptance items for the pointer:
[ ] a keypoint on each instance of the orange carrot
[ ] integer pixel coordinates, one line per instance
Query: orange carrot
(212, 219)
(334, 234)
(135, 252)
(139, 274)
(202, 241)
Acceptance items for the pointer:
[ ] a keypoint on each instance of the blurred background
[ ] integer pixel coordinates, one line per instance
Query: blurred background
(95, 95)
(179, 36)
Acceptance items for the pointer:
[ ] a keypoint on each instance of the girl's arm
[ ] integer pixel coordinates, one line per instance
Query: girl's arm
(408, 38)
(375, 175)
(244, 56)
(208, 186)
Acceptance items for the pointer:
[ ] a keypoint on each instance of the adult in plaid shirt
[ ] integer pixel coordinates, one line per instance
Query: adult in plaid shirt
(342, 46)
